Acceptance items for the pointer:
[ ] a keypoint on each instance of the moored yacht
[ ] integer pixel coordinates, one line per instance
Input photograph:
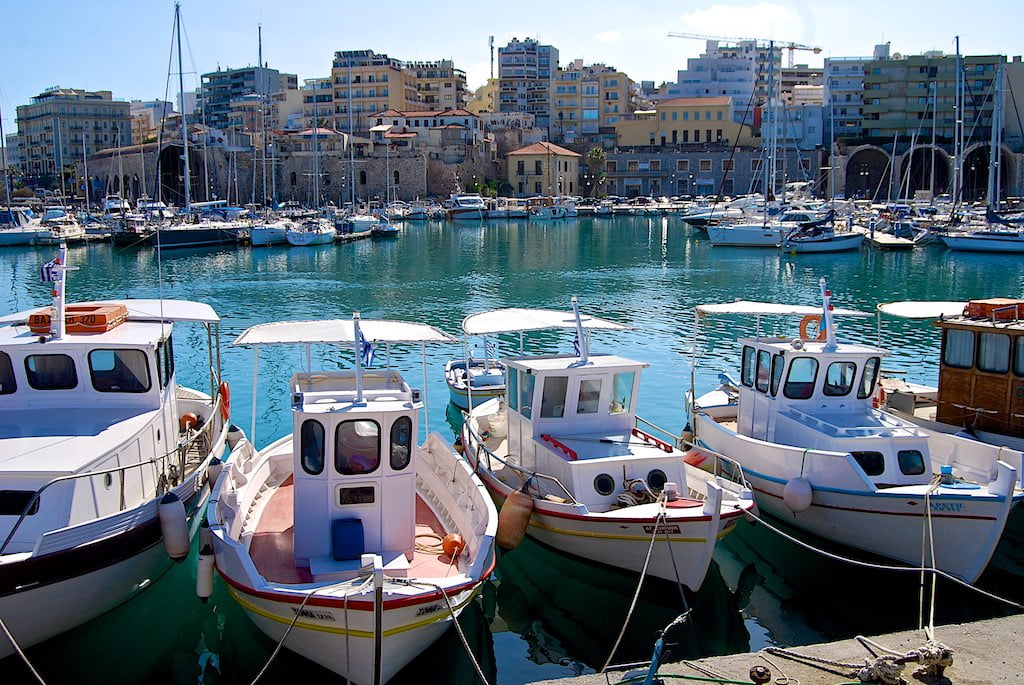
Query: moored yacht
(466, 206)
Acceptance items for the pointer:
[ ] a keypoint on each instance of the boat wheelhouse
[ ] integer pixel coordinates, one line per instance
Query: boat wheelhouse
(821, 455)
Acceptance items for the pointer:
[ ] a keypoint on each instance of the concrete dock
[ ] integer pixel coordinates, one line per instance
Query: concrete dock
(984, 652)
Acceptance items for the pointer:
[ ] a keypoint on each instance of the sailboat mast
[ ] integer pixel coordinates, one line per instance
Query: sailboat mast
(935, 120)
(351, 151)
(993, 154)
(85, 164)
(3, 163)
(957, 118)
(184, 127)
(261, 86)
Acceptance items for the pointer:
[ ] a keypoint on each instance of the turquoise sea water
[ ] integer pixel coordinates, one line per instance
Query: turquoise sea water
(543, 616)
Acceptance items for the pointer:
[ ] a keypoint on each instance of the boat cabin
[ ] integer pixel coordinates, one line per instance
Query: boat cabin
(981, 369)
(808, 394)
(576, 421)
(355, 475)
(103, 396)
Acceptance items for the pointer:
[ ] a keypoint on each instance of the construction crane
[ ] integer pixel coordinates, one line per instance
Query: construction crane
(789, 45)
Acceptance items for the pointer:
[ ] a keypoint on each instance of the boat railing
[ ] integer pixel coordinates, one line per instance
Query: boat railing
(171, 472)
(723, 466)
(478, 444)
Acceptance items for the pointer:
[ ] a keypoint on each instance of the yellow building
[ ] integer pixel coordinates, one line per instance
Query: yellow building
(484, 98)
(684, 121)
(544, 169)
(586, 98)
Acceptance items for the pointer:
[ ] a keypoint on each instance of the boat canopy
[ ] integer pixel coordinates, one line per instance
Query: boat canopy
(516, 320)
(340, 331)
(769, 308)
(142, 310)
(911, 309)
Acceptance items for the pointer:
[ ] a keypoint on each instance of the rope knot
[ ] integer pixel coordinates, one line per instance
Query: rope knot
(883, 669)
(934, 658)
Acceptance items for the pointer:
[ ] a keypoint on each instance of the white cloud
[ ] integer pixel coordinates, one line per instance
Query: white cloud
(761, 20)
(609, 36)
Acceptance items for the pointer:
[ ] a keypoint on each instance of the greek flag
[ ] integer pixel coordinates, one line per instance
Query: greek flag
(365, 350)
(48, 273)
(576, 344)
(490, 349)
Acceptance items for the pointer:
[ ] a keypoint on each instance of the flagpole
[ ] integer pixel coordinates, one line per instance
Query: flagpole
(357, 336)
(582, 351)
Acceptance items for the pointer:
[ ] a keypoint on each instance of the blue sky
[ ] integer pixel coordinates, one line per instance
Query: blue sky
(124, 46)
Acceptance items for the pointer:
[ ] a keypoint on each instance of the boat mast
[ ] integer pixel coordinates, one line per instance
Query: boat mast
(3, 163)
(935, 121)
(261, 87)
(58, 159)
(957, 128)
(184, 128)
(351, 151)
(85, 163)
(993, 155)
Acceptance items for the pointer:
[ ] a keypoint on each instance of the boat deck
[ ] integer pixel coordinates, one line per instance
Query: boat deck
(272, 546)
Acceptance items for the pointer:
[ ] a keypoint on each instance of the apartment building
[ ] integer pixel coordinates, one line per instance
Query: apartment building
(740, 71)
(526, 71)
(59, 125)
(439, 85)
(684, 121)
(221, 87)
(543, 169)
(588, 98)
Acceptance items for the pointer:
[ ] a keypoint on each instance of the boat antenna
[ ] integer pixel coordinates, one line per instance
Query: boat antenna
(54, 271)
(581, 340)
(826, 317)
(357, 339)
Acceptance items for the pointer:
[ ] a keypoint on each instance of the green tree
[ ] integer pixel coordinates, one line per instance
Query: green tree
(596, 159)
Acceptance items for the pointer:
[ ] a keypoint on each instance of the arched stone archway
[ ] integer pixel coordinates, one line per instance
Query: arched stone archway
(867, 173)
(172, 174)
(916, 171)
(975, 169)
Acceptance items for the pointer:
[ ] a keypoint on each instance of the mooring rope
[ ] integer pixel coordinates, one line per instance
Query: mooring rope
(17, 648)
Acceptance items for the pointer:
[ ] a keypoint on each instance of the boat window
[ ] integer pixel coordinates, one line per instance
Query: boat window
(361, 495)
(958, 348)
(873, 463)
(1018, 356)
(51, 372)
(311, 447)
(513, 389)
(994, 352)
(590, 395)
(604, 484)
(622, 392)
(778, 363)
(764, 363)
(911, 462)
(839, 378)
(803, 372)
(7, 382)
(357, 447)
(552, 402)
(165, 361)
(867, 379)
(119, 370)
(526, 394)
(747, 372)
(13, 502)
(401, 443)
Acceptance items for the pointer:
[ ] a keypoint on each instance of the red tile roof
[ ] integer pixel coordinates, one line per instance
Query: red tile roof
(544, 149)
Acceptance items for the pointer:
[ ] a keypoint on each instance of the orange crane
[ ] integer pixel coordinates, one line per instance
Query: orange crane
(788, 45)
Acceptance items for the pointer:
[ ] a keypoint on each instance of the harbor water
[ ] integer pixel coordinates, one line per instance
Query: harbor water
(542, 615)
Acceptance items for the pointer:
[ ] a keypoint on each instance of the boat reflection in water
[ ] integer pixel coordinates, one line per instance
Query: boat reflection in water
(570, 612)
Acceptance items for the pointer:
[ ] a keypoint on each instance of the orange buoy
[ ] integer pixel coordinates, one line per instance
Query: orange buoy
(696, 457)
(513, 519)
(805, 326)
(453, 545)
(188, 420)
(225, 400)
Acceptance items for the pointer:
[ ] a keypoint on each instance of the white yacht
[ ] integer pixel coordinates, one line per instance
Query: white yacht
(466, 206)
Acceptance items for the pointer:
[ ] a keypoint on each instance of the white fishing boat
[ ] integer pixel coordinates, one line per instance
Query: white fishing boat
(754, 234)
(820, 456)
(568, 459)
(310, 232)
(991, 239)
(473, 381)
(466, 206)
(18, 226)
(361, 546)
(103, 453)
(59, 226)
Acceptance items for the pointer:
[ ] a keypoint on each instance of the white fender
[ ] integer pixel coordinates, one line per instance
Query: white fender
(204, 574)
(797, 495)
(174, 527)
(213, 471)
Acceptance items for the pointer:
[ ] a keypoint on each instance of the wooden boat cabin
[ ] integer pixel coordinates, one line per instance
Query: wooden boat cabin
(577, 422)
(813, 395)
(981, 369)
(350, 457)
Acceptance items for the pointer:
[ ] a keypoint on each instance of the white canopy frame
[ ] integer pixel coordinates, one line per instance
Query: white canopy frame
(916, 310)
(341, 332)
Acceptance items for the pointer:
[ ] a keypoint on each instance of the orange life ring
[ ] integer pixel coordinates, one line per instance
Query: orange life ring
(187, 420)
(805, 324)
(878, 399)
(225, 400)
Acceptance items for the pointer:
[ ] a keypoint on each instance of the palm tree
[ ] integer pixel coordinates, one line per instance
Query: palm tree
(596, 164)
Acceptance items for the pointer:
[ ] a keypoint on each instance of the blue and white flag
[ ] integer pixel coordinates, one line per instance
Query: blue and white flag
(365, 351)
(576, 344)
(490, 349)
(49, 273)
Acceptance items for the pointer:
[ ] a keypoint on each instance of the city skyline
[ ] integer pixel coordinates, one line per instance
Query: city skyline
(225, 35)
